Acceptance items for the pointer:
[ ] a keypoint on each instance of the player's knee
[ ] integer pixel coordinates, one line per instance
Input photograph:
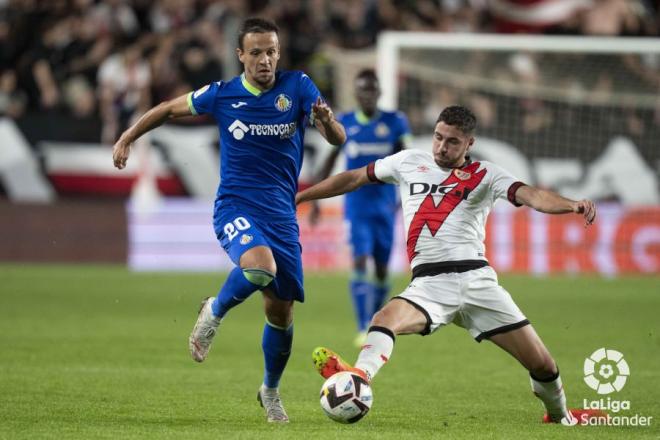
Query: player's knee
(543, 367)
(259, 257)
(258, 276)
(383, 318)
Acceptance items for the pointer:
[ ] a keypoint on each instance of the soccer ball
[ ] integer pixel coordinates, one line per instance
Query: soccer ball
(346, 397)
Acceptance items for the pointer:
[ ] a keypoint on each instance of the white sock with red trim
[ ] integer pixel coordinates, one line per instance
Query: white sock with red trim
(376, 350)
(551, 392)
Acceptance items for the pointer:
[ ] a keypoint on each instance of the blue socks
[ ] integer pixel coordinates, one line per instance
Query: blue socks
(276, 344)
(360, 294)
(367, 298)
(235, 290)
(380, 292)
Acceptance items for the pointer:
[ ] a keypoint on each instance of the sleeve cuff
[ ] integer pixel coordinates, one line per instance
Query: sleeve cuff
(406, 138)
(190, 104)
(511, 193)
(371, 173)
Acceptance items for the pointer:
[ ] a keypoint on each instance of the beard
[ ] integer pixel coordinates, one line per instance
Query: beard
(447, 162)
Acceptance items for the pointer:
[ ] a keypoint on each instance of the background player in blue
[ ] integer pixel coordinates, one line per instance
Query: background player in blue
(371, 134)
(261, 116)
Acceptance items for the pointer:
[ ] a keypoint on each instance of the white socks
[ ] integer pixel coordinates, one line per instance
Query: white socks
(551, 393)
(376, 350)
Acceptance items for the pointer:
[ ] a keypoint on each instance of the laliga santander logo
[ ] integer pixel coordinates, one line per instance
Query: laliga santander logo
(606, 371)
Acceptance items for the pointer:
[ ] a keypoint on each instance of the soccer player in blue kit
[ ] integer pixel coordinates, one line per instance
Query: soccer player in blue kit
(371, 134)
(261, 115)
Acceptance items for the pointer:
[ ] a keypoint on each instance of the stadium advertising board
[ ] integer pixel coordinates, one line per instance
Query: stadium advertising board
(176, 234)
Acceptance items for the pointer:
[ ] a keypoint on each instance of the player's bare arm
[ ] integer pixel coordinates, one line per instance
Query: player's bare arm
(328, 165)
(326, 169)
(336, 185)
(327, 125)
(155, 117)
(550, 202)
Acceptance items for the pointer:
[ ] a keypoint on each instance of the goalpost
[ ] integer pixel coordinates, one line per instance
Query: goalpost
(392, 44)
(579, 115)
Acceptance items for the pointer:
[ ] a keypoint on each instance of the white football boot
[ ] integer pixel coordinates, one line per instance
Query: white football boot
(205, 329)
(270, 401)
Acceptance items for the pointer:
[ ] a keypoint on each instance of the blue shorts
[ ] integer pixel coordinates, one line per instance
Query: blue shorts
(238, 232)
(372, 236)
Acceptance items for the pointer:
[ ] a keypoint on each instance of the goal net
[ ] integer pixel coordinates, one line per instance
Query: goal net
(579, 115)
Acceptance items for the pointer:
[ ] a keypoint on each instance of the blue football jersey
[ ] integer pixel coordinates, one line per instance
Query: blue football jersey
(366, 141)
(261, 140)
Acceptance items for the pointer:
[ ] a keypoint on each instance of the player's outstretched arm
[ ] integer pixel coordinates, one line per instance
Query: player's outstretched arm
(550, 202)
(327, 125)
(155, 117)
(326, 169)
(335, 185)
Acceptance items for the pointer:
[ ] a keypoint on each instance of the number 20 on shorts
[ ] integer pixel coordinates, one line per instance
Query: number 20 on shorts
(232, 228)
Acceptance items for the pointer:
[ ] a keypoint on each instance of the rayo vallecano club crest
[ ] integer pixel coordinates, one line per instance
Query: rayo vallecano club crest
(282, 102)
(463, 175)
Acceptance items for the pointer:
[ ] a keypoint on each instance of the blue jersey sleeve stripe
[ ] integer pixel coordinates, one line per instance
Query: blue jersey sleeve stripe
(190, 104)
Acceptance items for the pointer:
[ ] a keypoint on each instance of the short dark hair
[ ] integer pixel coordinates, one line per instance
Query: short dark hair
(368, 74)
(459, 116)
(256, 25)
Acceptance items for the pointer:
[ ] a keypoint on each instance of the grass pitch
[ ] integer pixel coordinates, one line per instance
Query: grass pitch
(99, 352)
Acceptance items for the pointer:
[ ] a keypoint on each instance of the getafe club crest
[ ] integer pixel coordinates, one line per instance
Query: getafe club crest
(282, 102)
(382, 130)
(463, 175)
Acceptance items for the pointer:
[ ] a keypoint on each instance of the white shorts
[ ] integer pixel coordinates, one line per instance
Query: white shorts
(472, 300)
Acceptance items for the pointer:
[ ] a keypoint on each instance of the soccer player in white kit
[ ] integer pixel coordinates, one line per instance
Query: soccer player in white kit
(446, 198)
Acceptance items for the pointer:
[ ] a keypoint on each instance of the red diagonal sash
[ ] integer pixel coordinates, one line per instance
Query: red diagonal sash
(466, 180)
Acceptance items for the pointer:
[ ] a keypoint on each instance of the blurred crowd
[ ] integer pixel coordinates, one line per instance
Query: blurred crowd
(81, 69)
(541, 102)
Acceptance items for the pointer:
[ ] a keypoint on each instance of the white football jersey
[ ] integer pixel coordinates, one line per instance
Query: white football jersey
(444, 209)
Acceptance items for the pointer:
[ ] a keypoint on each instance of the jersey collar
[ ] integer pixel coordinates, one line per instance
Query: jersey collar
(363, 119)
(249, 87)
